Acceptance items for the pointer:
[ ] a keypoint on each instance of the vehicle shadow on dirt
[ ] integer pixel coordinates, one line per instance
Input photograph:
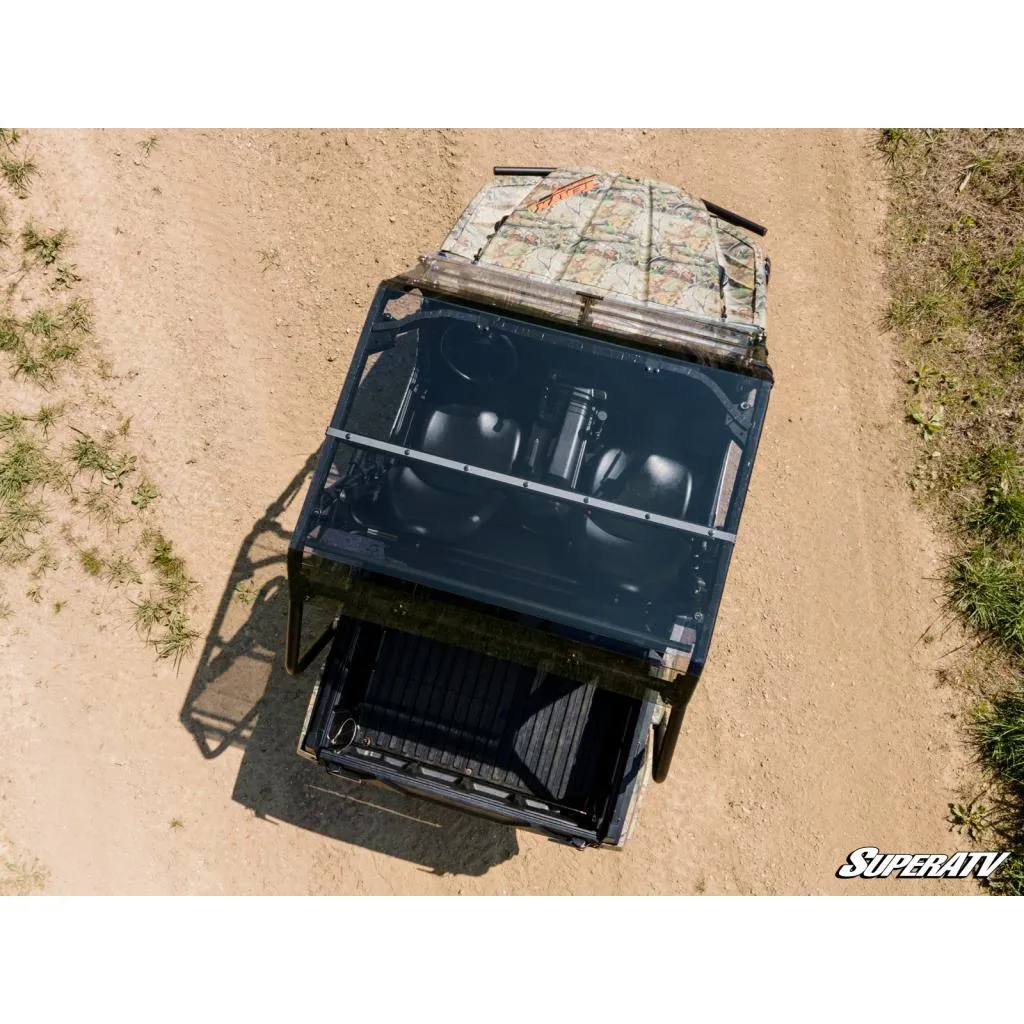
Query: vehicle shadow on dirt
(241, 696)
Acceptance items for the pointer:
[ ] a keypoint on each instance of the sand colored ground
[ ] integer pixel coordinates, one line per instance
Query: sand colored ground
(818, 726)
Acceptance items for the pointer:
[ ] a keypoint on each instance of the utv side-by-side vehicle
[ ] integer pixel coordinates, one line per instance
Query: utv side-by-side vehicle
(527, 500)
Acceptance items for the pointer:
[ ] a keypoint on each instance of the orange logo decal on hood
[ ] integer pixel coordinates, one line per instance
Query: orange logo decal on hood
(574, 188)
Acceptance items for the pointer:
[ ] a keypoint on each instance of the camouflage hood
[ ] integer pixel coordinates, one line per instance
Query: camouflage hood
(616, 236)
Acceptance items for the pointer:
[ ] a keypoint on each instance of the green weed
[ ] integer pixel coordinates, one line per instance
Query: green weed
(144, 496)
(162, 555)
(968, 819)
(45, 248)
(930, 421)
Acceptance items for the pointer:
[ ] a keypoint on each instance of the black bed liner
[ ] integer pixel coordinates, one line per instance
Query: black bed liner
(501, 731)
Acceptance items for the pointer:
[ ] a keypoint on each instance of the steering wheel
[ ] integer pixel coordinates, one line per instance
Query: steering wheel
(478, 355)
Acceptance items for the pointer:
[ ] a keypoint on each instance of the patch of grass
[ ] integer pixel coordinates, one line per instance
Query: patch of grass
(12, 336)
(93, 456)
(47, 416)
(18, 173)
(246, 591)
(19, 517)
(178, 587)
(77, 316)
(987, 589)
(11, 423)
(149, 614)
(13, 549)
(999, 733)
(1000, 516)
(89, 455)
(59, 351)
(101, 505)
(165, 624)
(5, 610)
(956, 248)
(1009, 879)
(91, 561)
(39, 338)
(177, 639)
(43, 247)
(176, 823)
(162, 617)
(35, 369)
(37, 345)
(10, 137)
(46, 560)
(933, 313)
(42, 324)
(25, 464)
(120, 570)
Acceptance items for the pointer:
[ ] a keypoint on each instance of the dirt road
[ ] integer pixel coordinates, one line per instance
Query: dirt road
(230, 272)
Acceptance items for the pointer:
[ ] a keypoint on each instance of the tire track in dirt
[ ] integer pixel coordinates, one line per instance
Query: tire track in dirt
(818, 726)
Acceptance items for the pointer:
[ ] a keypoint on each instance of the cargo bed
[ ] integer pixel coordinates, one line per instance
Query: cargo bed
(487, 734)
